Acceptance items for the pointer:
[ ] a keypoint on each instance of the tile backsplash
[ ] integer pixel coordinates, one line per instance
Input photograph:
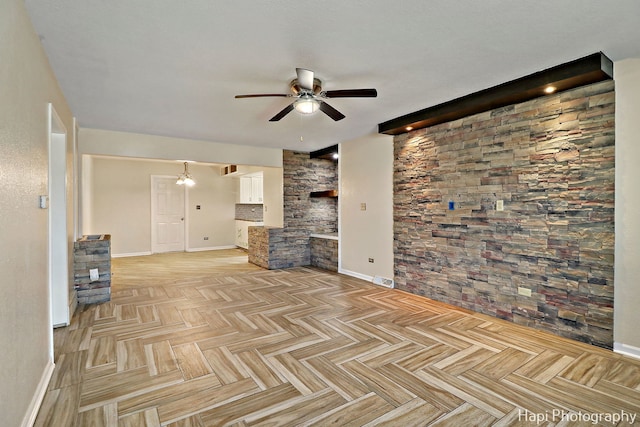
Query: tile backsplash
(249, 212)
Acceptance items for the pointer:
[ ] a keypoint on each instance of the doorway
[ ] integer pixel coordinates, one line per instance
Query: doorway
(59, 285)
(167, 215)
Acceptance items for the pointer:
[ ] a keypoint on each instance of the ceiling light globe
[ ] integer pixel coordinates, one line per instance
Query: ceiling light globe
(306, 104)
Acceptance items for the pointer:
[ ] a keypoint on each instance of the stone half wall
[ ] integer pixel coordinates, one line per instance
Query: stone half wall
(274, 248)
(92, 252)
(551, 160)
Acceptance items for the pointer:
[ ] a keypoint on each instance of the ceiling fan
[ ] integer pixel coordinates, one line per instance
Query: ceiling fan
(310, 97)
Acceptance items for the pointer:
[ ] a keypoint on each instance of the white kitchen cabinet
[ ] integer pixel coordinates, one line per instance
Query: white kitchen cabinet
(251, 189)
(256, 189)
(245, 189)
(242, 232)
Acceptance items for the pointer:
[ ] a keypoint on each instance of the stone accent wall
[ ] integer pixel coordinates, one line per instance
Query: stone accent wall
(551, 160)
(91, 252)
(324, 253)
(289, 246)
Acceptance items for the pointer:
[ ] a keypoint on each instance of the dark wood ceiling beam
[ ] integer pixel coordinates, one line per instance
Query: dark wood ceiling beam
(580, 72)
(324, 153)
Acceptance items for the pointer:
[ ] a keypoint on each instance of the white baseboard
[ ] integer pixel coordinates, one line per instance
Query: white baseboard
(38, 396)
(130, 254)
(356, 275)
(212, 248)
(209, 248)
(627, 350)
(376, 280)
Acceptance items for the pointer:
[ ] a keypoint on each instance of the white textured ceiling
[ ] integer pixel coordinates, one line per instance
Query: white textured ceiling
(172, 67)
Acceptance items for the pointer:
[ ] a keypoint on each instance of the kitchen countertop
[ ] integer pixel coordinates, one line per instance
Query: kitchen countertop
(330, 236)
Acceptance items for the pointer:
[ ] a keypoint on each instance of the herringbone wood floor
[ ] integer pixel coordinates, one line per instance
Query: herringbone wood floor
(206, 339)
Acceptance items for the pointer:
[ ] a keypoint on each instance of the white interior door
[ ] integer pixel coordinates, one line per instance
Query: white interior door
(167, 215)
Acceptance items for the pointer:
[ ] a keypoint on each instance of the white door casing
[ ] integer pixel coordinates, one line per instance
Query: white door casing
(167, 215)
(59, 283)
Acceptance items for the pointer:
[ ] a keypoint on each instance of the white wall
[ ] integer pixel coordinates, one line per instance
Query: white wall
(627, 208)
(273, 196)
(28, 85)
(216, 196)
(366, 176)
(125, 144)
(132, 145)
(120, 204)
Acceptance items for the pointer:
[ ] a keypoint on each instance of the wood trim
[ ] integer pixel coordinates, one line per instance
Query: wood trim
(326, 193)
(38, 397)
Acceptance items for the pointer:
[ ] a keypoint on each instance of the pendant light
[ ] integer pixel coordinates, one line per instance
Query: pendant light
(185, 177)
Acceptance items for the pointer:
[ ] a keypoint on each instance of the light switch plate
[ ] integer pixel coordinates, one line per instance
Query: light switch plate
(94, 274)
(500, 205)
(524, 291)
(363, 206)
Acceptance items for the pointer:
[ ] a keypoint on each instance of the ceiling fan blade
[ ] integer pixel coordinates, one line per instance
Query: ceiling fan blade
(331, 112)
(286, 110)
(305, 78)
(259, 95)
(351, 93)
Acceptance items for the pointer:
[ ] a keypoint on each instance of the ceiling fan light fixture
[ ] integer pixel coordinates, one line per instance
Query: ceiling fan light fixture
(306, 104)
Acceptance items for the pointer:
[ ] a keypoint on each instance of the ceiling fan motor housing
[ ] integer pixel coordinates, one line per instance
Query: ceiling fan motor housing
(297, 89)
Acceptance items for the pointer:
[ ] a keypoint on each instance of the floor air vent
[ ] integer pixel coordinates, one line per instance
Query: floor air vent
(383, 281)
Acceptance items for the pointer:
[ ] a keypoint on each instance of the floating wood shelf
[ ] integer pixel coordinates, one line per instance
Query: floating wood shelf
(326, 193)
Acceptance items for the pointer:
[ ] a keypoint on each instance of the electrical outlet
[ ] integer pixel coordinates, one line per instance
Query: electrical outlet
(363, 206)
(452, 205)
(500, 205)
(371, 260)
(206, 238)
(524, 291)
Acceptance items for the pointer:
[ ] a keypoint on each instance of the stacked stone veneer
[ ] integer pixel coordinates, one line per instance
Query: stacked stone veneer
(300, 176)
(275, 248)
(552, 162)
(91, 252)
(302, 215)
(324, 253)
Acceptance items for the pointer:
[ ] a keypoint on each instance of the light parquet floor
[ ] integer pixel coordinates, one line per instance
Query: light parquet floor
(206, 339)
